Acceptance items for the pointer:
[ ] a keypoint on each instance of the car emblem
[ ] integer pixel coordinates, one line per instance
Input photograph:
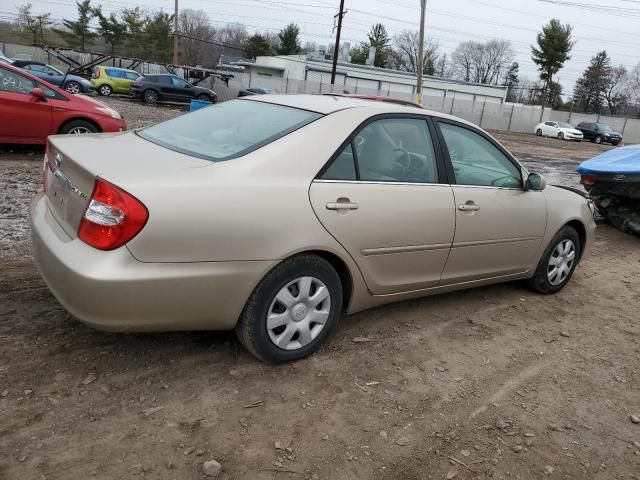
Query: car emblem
(57, 159)
(619, 178)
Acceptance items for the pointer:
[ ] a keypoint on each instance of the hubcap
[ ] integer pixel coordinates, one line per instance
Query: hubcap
(561, 262)
(298, 313)
(79, 130)
(73, 87)
(105, 90)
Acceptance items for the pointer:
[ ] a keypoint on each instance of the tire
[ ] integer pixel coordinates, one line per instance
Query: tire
(150, 96)
(73, 87)
(539, 132)
(78, 127)
(289, 276)
(543, 280)
(598, 139)
(203, 97)
(105, 90)
(561, 136)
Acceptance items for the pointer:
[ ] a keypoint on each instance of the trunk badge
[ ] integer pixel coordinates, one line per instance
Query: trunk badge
(619, 178)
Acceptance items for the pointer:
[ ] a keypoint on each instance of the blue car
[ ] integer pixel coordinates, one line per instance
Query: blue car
(72, 83)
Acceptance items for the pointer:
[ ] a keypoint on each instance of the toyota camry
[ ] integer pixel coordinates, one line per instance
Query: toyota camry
(274, 215)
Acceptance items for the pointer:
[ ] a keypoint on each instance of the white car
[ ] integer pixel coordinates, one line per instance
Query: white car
(561, 130)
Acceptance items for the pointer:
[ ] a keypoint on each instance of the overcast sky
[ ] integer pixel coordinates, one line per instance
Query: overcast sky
(448, 22)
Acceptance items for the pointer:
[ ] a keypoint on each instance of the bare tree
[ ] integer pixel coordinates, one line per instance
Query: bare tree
(482, 62)
(404, 53)
(618, 89)
(196, 29)
(35, 24)
(233, 34)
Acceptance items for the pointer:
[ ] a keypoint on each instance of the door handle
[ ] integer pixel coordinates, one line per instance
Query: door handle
(469, 207)
(342, 206)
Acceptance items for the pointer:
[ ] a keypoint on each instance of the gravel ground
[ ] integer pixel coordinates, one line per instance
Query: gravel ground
(494, 382)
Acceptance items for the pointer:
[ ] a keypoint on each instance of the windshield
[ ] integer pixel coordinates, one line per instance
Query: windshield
(227, 130)
(564, 125)
(604, 128)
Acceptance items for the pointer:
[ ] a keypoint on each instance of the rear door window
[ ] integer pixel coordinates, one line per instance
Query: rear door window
(227, 130)
(131, 75)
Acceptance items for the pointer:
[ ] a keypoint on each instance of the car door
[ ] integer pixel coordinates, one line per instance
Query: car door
(24, 118)
(499, 224)
(165, 88)
(384, 198)
(548, 129)
(182, 90)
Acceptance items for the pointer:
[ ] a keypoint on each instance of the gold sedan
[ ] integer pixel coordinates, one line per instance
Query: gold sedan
(274, 215)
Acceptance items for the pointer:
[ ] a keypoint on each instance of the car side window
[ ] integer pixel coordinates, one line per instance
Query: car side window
(114, 73)
(396, 150)
(550, 124)
(343, 166)
(131, 75)
(15, 83)
(477, 161)
(164, 80)
(177, 82)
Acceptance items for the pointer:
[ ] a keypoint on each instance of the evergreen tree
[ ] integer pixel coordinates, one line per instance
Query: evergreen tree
(378, 38)
(511, 81)
(289, 40)
(158, 40)
(77, 33)
(110, 29)
(257, 46)
(553, 47)
(136, 22)
(589, 92)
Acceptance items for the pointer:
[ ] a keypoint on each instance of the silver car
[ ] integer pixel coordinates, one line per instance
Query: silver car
(274, 215)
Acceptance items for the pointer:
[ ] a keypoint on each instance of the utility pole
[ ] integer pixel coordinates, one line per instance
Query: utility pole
(336, 48)
(423, 7)
(175, 35)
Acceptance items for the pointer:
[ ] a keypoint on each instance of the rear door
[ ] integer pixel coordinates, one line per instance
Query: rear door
(499, 224)
(384, 198)
(24, 117)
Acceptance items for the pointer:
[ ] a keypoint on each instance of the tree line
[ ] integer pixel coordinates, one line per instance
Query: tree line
(603, 87)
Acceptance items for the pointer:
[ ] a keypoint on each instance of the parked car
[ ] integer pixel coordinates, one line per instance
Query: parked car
(107, 80)
(70, 83)
(169, 88)
(599, 133)
(33, 109)
(254, 91)
(5, 60)
(378, 98)
(561, 130)
(254, 214)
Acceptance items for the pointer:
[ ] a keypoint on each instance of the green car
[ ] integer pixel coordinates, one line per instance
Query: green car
(108, 80)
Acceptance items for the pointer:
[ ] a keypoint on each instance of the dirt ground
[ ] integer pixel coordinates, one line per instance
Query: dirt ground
(495, 382)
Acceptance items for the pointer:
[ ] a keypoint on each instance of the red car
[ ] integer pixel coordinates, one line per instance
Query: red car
(31, 110)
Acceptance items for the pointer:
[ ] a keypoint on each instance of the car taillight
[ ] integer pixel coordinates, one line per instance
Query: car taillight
(588, 180)
(112, 218)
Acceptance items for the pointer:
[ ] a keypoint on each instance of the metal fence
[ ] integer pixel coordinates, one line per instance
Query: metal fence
(489, 113)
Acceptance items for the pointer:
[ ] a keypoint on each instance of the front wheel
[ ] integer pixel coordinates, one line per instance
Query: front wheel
(558, 262)
(598, 140)
(78, 127)
(73, 87)
(203, 97)
(561, 136)
(292, 311)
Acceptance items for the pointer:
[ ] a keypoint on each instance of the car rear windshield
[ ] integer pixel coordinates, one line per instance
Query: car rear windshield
(227, 130)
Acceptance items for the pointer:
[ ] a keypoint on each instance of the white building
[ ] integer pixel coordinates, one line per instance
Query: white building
(367, 80)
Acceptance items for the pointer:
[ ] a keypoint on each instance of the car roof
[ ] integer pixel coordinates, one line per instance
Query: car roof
(327, 104)
(116, 68)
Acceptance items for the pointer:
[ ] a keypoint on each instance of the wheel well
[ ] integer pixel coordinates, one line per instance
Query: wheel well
(582, 232)
(343, 272)
(88, 120)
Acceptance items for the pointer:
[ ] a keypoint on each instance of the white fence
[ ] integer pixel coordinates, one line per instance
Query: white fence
(489, 113)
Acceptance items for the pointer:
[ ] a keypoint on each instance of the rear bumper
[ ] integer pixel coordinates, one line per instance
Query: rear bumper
(114, 291)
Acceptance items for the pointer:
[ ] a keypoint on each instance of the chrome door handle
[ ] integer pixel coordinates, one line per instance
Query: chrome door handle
(469, 207)
(341, 206)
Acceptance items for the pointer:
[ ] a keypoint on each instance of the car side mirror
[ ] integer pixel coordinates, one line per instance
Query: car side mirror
(535, 182)
(39, 93)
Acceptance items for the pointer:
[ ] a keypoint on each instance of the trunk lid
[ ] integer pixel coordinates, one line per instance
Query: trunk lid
(124, 159)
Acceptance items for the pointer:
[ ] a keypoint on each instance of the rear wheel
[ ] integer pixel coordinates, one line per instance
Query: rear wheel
(78, 127)
(150, 96)
(558, 262)
(539, 132)
(105, 90)
(73, 87)
(292, 311)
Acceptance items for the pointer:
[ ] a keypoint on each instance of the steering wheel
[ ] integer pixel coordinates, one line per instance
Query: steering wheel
(404, 158)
